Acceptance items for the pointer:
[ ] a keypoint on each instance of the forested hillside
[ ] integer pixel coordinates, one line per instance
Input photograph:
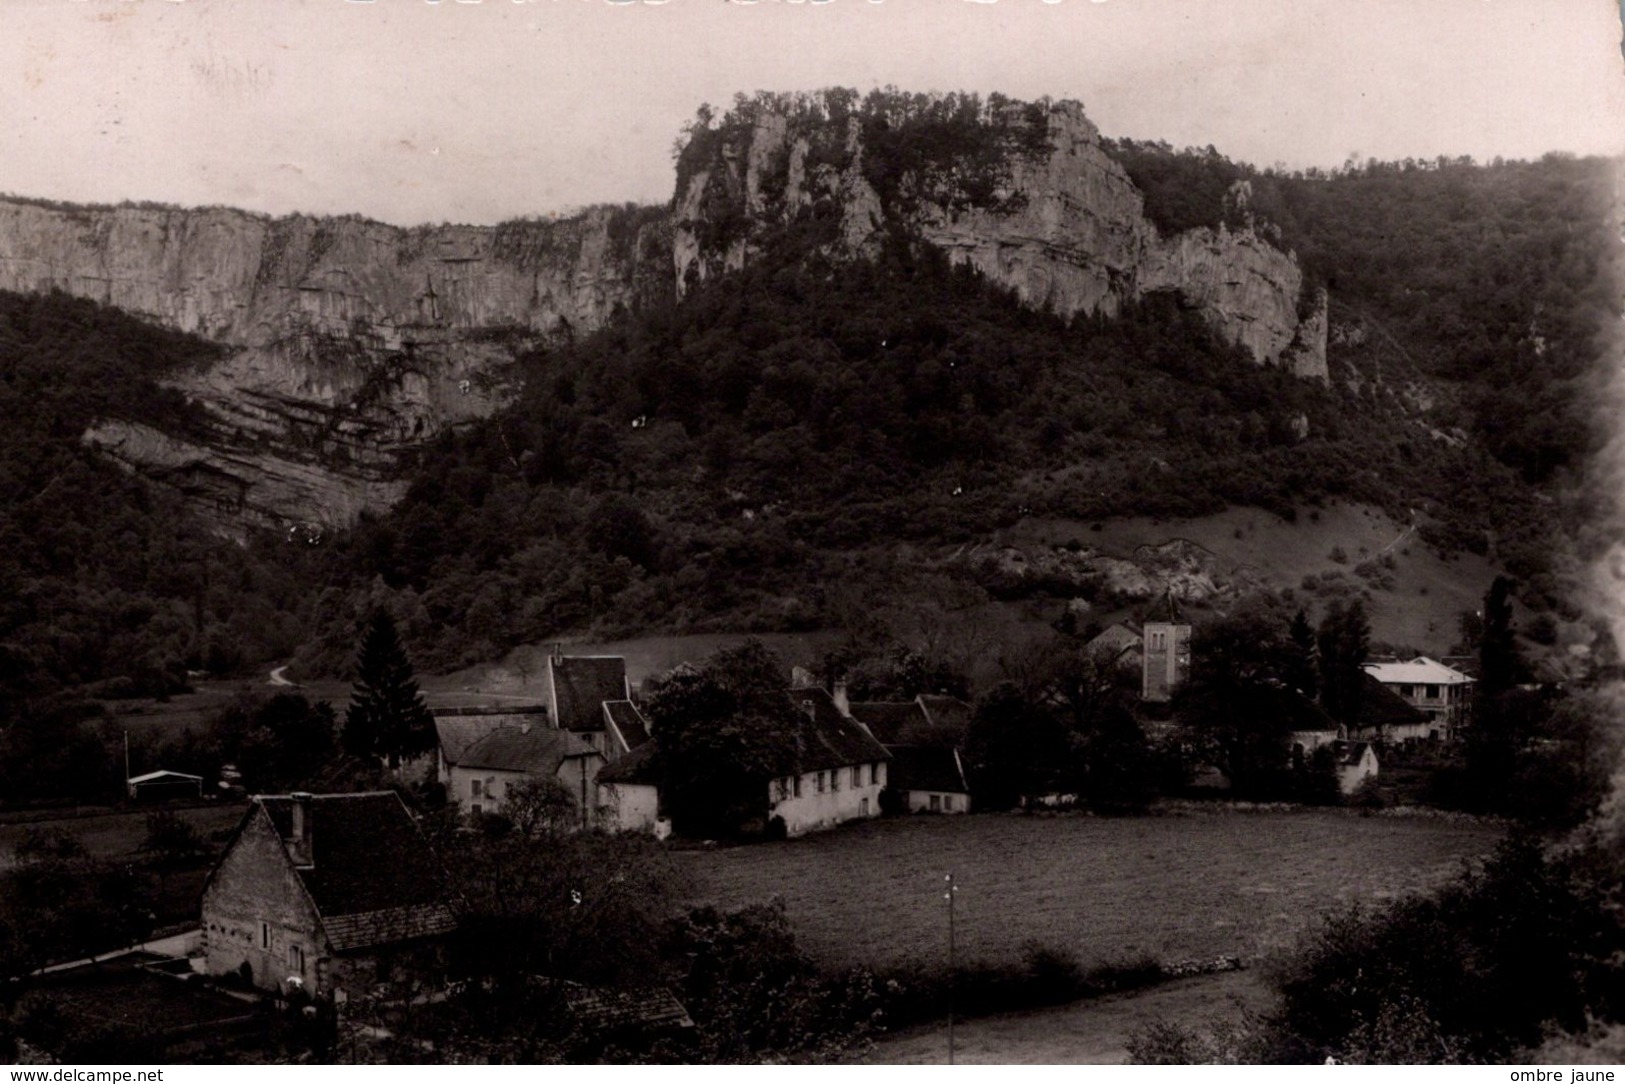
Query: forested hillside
(1500, 281)
(731, 460)
(743, 458)
(106, 583)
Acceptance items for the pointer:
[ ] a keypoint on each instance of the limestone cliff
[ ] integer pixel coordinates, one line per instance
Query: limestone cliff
(1027, 195)
(351, 341)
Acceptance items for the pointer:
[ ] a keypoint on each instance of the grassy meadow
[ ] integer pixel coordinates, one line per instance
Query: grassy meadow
(1184, 885)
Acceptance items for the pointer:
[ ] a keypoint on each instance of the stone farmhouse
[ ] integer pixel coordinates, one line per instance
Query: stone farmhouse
(326, 893)
(480, 777)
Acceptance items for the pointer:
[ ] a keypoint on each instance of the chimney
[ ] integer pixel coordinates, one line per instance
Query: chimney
(558, 651)
(299, 846)
(837, 693)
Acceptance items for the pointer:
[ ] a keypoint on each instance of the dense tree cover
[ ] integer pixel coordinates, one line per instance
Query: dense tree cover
(722, 730)
(724, 461)
(106, 581)
(58, 904)
(1500, 280)
(1474, 972)
(1065, 726)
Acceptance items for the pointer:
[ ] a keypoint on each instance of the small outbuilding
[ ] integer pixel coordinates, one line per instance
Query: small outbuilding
(160, 785)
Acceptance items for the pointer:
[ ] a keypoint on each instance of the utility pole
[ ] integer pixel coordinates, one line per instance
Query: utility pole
(949, 896)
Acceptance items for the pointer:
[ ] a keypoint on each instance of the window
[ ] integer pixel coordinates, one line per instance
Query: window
(936, 803)
(476, 809)
(476, 789)
(820, 782)
(296, 959)
(795, 786)
(948, 803)
(835, 779)
(874, 772)
(863, 808)
(265, 935)
(857, 775)
(1433, 692)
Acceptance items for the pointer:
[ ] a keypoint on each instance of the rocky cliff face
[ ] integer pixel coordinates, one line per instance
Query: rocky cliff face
(352, 341)
(1054, 218)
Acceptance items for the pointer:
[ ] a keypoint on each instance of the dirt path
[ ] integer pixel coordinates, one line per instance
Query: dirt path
(1094, 1032)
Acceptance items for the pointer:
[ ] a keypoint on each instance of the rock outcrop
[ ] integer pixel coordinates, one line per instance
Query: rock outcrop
(1063, 226)
(350, 340)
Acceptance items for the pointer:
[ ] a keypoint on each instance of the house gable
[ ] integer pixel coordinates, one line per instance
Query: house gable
(256, 909)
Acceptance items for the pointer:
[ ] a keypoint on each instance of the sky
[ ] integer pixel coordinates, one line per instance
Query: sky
(479, 110)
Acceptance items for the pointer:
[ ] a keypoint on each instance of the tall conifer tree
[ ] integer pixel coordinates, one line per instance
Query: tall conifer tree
(387, 717)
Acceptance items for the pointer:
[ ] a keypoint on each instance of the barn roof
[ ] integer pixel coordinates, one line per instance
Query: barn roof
(535, 750)
(888, 720)
(637, 768)
(581, 684)
(372, 877)
(946, 711)
(1380, 706)
(925, 720)
(457, 733)
(835, 739)
(624, 719)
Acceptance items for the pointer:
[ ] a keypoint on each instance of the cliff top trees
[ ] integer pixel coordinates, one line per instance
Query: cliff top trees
(387, 717)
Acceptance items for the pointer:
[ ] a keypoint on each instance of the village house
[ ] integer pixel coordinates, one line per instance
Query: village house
(924, 737)
(480, 776)
(840, 777)
(1119, 644)
(928, 778)
(326, 893)
(1443, 693)
(1353, 762)
(1387, 718)
(576, 689)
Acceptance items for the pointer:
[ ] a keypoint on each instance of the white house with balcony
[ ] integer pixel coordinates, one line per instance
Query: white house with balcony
(1440, 692)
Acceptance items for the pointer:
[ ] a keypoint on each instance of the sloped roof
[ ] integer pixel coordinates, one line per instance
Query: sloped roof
(481, 710)
(581, 684)
(925, 720)
(163, 775)
(926, 767)
(834, 740)
(1116, 640)
(636, 768)
(1380, 706)
(1419, 671)
(946, 711)
(600, 1012)
(1301, 713)
(536, 750)
(373, 878)
(457, 733)
(625, 719)
(888, 720)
